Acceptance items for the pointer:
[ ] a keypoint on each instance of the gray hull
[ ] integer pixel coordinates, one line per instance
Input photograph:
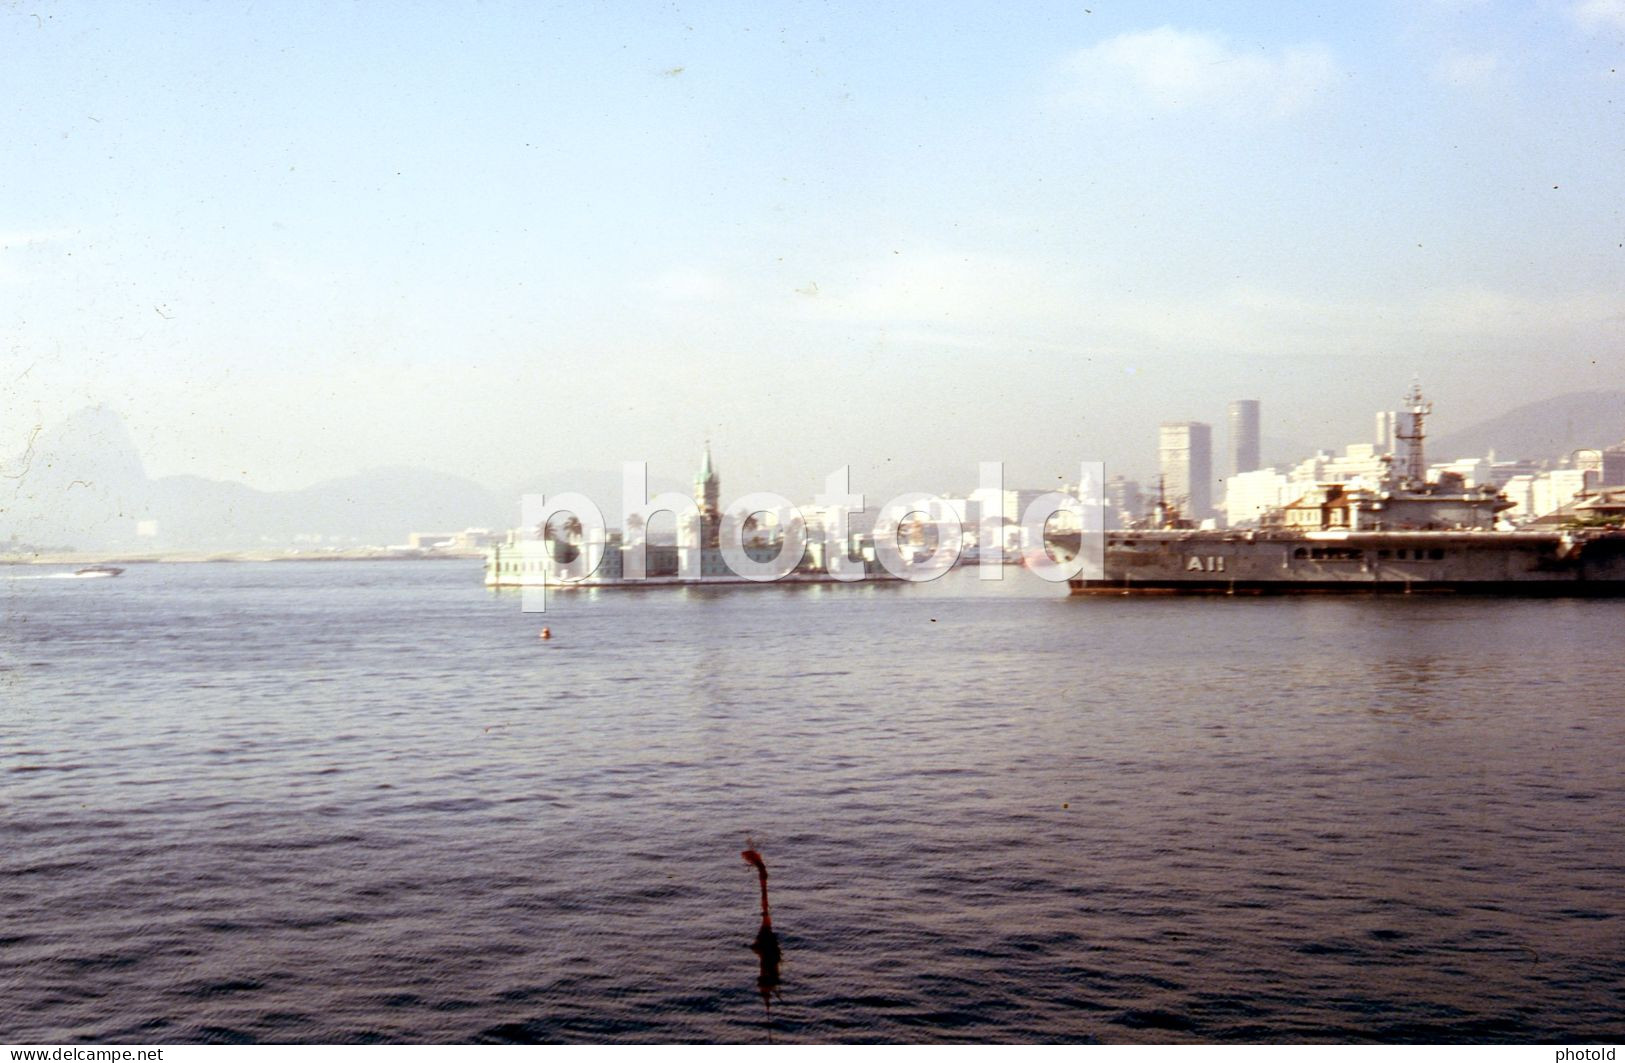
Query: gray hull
(1487, 563)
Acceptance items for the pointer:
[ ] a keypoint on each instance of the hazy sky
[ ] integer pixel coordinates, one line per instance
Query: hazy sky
(290, 241)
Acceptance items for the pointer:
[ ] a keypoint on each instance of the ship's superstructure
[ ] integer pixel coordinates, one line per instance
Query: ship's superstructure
(1401, 533)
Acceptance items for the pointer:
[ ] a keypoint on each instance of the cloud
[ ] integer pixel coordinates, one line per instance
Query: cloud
(1600, 14)
(1466, 69)
(932, 287)
(1170, 69)
(965, 300)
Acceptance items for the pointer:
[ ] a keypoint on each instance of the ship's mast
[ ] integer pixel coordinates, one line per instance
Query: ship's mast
(1409, 432)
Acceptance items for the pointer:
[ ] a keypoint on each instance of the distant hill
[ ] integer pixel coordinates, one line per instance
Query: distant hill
(602, 486)
(79, 481)
(378, 507)
(1548, 430)
(381, 506)
(81, 485)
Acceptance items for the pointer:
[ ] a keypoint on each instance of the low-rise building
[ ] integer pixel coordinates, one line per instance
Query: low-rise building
(1251, 498)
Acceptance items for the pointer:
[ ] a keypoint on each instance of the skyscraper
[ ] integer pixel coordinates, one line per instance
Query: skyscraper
(1386, 422)
(1185, 456)
(1244, 444)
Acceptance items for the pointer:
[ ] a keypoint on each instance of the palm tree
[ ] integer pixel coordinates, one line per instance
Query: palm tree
(563, 539)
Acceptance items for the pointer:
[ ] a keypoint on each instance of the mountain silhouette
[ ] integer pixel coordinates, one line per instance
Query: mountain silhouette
(81, 485)
(79, 481)
(1548, 430)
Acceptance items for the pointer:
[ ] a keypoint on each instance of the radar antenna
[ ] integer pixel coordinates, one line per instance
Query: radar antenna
(1410, 432)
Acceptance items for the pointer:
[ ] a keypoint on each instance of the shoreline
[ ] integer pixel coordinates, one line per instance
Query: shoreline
(188, 557)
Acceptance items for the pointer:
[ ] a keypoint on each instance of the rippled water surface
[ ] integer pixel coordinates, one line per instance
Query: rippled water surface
(362, 801)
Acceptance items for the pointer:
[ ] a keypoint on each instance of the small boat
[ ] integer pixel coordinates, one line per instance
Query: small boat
(98, 570)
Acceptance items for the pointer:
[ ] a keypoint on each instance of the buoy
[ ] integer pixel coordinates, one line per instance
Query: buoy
(547, 633)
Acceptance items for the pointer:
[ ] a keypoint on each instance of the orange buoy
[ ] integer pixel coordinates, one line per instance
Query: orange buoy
(547, 633)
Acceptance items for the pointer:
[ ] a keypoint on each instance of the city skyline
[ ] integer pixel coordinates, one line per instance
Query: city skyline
(530, 241)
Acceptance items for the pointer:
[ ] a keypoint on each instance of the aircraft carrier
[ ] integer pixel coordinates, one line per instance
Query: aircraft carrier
(1401, 534)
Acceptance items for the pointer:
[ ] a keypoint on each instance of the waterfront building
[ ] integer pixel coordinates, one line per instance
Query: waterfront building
(1520, 491)
(526, 558)
(1124, 502)
(1251, 498)
(1473, 471)
(707, 495)
(1359, 461)
(1244, 436)
(1556, 488)
(1385, 438)
(1540, 494)
(1185, 459)
(1004, 509)
(469, 540)
(1478, 472)
(1613, 465)
(1603, 504)
(1501, 472)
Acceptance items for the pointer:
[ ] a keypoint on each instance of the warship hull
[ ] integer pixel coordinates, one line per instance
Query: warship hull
(1354, 562)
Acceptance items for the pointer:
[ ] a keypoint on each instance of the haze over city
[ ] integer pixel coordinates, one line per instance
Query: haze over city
(291, 242)
(1218, 653)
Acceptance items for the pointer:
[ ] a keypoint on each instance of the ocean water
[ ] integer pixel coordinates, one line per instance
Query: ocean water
(364, 802)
